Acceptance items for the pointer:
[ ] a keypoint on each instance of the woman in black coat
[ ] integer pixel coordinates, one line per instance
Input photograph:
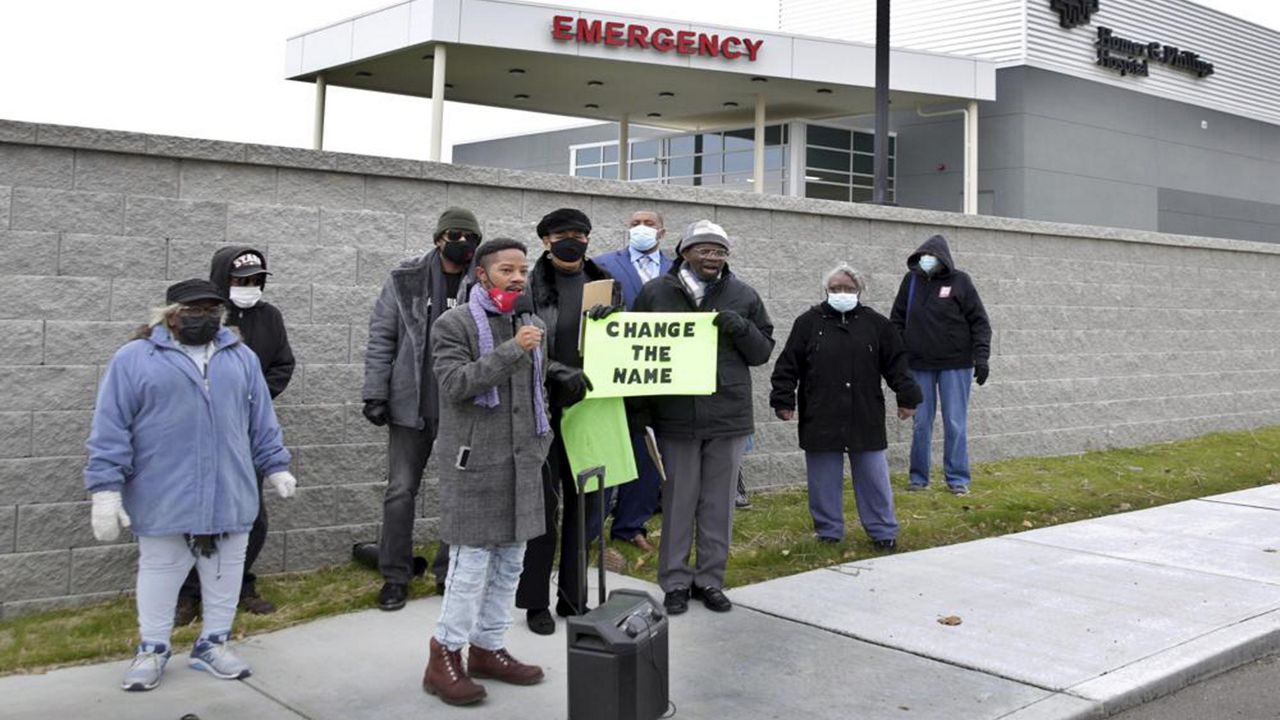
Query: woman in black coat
(835, 356)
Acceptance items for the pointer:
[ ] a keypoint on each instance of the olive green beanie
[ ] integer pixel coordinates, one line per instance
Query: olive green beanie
(456, 218)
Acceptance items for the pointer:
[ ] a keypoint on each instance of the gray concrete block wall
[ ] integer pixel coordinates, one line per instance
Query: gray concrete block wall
(1103, 337)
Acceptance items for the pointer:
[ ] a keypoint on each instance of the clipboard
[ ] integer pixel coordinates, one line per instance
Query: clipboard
(596, 292)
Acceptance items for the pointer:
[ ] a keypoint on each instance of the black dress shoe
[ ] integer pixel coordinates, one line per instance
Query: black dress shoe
(676, 601)
(540, 621)
(392, 596)
(713, 598)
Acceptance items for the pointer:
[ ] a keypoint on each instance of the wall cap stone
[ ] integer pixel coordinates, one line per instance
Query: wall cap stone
(277, 156)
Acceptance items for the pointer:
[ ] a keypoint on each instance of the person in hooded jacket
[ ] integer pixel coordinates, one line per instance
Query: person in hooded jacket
(240, 273)
(555, 289)
(835, 356)
(702, 438)
(182, 429)
(400, 389)
(948, 338)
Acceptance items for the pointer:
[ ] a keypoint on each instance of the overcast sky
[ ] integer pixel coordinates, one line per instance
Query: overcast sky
(215, 69)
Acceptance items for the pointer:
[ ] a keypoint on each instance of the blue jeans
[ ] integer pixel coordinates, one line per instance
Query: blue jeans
(870, 471)
(479, 593)
(952, 388)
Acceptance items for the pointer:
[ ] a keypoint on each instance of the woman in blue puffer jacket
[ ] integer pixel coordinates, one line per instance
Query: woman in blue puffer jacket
(183, 419)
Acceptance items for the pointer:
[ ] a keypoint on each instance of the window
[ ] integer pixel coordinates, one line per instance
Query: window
(596, 160)
(840, 164)
(723, 159)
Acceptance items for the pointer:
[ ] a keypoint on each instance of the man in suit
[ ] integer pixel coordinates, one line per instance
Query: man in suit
(634, 266)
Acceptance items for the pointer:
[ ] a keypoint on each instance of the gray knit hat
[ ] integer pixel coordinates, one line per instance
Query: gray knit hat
(703, 232)
(456, 218)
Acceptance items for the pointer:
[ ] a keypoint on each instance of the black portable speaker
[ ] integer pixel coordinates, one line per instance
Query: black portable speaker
(618, 660)
(618, 651)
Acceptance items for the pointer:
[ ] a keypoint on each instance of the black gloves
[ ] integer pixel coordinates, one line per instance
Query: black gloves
(600, 312)
(377, 412)
(980, 373)
(577, 386)
(733, 324)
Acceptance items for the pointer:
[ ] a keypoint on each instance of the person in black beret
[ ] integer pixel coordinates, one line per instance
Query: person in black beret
(555, 286)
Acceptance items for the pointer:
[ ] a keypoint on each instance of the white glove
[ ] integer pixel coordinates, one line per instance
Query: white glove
(284, 482)
(108, 515)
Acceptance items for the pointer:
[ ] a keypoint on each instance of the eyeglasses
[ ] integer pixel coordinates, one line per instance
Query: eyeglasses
(195, 311)
(456, 235)
(709, 253)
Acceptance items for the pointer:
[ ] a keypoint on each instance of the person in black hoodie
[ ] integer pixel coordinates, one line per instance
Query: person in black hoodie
(836, 354)
(948, 339)
(240, 272)
(702, 438)
(555, 288)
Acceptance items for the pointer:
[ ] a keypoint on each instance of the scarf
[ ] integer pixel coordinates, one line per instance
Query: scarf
(481, 305)
(696, 286)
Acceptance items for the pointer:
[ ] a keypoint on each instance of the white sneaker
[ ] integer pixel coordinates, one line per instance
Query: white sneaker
(214, 656)
(145, 671)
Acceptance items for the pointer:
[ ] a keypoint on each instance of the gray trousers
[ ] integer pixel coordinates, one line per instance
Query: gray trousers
(697, 501)
(407, 452)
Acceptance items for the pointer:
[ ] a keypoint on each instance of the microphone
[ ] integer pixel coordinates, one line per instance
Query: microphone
(523, 311)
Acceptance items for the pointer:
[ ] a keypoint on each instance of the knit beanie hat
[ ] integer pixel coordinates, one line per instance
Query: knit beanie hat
(456, 218)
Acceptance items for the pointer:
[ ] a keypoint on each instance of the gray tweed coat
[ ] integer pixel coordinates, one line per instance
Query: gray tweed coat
(497, 496)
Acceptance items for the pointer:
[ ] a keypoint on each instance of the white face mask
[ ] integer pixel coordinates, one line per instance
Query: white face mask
(245, 297)
(928, 263)
(842, 302)
(643, 238)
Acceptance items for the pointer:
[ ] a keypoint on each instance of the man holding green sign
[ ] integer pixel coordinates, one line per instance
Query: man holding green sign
(699, 405)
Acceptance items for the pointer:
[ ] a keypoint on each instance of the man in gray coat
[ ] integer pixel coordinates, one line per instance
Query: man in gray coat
(495, 430)
(400, 388)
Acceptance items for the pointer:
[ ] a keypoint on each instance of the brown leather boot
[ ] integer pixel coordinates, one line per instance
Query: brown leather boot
(499, 665)
(446, 678)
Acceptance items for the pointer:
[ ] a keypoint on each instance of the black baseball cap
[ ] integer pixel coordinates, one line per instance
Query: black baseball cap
(248, 264)
(193, 290)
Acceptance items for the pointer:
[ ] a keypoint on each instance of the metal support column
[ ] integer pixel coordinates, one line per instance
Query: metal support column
(879, 189)
(437, 101)
(971, 158)
(624, 148)
(757, 147)
(317, 136)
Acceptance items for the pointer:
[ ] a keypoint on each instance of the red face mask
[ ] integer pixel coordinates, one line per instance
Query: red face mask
(506, 301)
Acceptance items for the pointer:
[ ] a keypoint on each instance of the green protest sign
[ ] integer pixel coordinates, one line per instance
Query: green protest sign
(595, 433)
(630, 354)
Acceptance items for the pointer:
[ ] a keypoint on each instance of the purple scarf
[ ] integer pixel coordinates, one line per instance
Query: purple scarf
(480, 305)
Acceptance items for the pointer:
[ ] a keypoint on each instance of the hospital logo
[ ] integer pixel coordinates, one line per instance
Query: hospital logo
(1074, 13)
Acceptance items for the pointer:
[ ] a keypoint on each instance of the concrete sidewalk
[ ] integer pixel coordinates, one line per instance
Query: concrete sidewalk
(1073, 621)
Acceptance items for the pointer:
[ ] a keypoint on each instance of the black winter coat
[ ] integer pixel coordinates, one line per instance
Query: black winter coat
(261, 326)
(946, 327)
(546, 304)
(728, 412)
(836, 360)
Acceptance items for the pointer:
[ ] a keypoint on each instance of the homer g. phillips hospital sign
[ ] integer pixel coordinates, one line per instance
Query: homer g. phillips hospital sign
(659, 39)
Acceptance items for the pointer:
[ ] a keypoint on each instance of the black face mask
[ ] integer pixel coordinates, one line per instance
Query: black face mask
(198, 330)
(569, 250)
(459, 253)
